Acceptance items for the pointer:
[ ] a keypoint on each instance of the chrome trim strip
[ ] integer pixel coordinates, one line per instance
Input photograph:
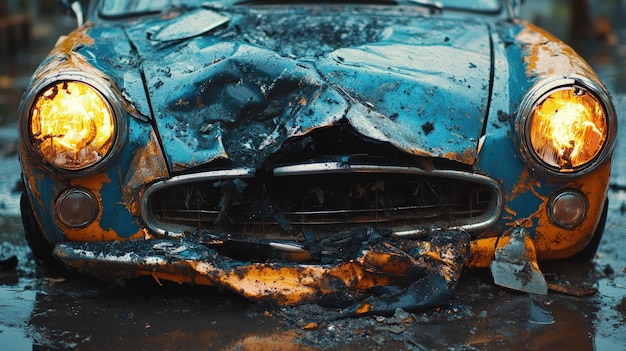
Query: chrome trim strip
(536, 94)
(494, 209)
(345, 167)
(101, 85)
(148, 218)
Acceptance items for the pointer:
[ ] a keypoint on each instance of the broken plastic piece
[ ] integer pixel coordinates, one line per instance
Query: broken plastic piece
(515, 265)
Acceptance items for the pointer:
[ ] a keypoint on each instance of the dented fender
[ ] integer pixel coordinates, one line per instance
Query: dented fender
(221, 109)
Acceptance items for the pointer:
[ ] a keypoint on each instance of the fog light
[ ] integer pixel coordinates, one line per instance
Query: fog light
(568, 209)
(76, 208)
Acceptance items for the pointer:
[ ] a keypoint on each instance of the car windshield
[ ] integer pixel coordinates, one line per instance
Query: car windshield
(121, 8)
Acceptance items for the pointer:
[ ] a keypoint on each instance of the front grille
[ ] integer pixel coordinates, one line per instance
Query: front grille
(321, 198)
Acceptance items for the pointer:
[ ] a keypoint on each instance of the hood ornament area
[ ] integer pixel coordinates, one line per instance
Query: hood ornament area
(189, 25)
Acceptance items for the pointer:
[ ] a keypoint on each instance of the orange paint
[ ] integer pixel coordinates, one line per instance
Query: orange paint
(546, 55)
(93, 232)
(148, 165)
(283, 284)
(551, 241)
(364, 308)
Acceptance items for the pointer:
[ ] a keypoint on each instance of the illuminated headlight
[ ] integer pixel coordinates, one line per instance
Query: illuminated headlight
(567, 125)
(71, 125)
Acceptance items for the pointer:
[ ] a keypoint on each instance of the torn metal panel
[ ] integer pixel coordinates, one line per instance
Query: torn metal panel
(189, 25)
(403, 103)
(425, 272)
(240, 108)
(390, 82)
(515, 265)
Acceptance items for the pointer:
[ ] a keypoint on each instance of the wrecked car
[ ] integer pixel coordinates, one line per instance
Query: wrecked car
(359, 152)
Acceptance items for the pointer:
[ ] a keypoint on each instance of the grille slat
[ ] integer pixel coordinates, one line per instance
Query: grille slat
(322, 199)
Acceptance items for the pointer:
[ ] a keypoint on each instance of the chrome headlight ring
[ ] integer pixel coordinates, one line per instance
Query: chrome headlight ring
(566, 125)
(58, 108)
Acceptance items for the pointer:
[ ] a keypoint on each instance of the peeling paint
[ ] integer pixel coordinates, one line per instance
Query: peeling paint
(430, 269)
(246, 91)
(147, 165)
(546, 55)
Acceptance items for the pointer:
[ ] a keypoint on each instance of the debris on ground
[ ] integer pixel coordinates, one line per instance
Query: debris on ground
(9, 263)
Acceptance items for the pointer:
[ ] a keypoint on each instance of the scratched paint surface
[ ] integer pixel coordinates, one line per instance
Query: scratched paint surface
(487, 321)
(214, 98)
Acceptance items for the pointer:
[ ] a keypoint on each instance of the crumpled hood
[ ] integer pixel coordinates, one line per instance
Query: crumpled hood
(255, 80)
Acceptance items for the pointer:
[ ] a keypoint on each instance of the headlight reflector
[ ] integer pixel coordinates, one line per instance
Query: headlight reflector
(566, 125)
(568, 128)
(568, 209)
(72, 126)
(77, 207)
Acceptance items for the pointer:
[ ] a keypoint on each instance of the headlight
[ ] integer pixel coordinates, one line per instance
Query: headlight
(567, 125)
(71, 125)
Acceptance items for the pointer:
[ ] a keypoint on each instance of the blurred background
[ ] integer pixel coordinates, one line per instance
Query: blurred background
(28, 30)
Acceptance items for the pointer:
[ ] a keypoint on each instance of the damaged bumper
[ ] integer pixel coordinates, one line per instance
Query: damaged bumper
(377, 271)
(364, 271)
(288, 148)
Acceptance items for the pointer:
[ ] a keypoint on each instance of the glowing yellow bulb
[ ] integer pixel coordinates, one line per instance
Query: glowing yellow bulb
(568, 128)
(72, 125)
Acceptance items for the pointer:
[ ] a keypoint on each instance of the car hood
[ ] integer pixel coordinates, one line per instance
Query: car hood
(238, 86)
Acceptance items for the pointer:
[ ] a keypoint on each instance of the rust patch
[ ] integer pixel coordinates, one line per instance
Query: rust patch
(468, 156)
(93, 182)
(553, 242)
(93, 232)
(424, 272)
(148, 165)
(546, 55)
(64, 56)
(67, 44)
(525, 183)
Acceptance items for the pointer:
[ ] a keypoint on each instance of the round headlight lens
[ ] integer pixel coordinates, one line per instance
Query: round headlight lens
(72, 126)
(567, 128)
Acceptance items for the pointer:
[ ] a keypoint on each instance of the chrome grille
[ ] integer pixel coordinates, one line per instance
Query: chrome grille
(321, 198)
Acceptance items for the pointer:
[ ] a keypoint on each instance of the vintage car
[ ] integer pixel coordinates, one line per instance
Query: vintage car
(360, 152)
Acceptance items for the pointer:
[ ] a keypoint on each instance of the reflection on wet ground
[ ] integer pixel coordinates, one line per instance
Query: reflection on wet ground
(48, 310)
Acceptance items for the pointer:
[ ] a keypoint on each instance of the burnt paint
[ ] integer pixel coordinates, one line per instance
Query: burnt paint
(199, 105)
(385, 75)
(430, 270)
(524, 54)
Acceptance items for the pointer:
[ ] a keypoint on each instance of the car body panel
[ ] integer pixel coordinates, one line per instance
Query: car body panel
(428, 269)
(282, 97)
(245, 94)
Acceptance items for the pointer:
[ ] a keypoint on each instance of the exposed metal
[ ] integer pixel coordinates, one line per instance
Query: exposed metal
(189, 25)
(515, 265)
(298, 152)
(413, 218)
